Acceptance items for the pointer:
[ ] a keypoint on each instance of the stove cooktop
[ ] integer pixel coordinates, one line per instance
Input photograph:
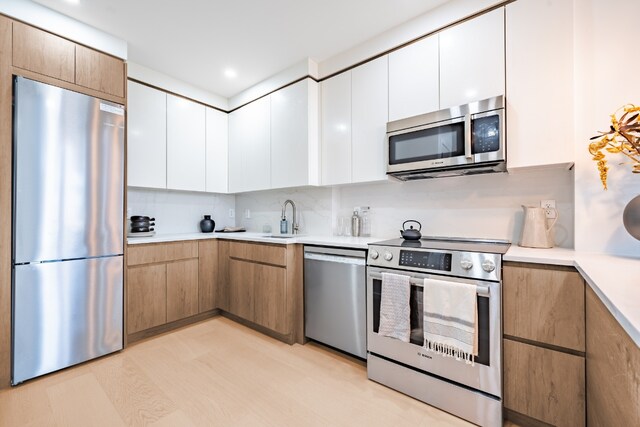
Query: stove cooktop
(451, 243)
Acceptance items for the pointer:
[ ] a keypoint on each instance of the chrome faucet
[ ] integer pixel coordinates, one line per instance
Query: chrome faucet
(294, 222)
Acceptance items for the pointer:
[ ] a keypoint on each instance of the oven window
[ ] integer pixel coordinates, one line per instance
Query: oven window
(439, 142)
(417, 334)
(485, 133)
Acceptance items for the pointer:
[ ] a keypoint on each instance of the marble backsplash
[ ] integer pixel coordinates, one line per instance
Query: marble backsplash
(475, 206)
(180, 211)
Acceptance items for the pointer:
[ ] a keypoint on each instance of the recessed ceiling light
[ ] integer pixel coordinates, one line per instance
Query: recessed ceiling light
(73, 1)
(230, 73)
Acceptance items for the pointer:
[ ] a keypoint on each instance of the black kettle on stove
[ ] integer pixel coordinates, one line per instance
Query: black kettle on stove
(411, 233)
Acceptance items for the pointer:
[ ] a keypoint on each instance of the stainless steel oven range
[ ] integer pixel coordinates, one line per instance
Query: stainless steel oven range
(472, 392)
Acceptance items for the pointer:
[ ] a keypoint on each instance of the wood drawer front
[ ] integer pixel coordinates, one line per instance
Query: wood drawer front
(146, 297)
(182, 289)
(43, 53)
(268, 254)
(161, 252)
(544, 384)
(613, 369)
(98, 71)
(544, 305)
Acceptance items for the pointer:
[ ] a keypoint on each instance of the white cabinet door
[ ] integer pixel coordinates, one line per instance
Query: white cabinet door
(249, 147)
(217, 145)
(539, 83)
(336, 129)
(414, 79)
(146, 137)
(185, 144)
(472, 60)
(369, 116)
(289, 136)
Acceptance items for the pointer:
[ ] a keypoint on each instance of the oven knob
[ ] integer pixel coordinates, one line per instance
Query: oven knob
(488, 265)
(374, 254)
(466, 264)
(388, 256)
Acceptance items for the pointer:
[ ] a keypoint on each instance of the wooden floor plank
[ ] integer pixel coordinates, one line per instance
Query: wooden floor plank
(216, 373)
(81, 402)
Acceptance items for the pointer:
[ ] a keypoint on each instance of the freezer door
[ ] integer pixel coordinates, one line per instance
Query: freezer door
(68, 174)
(65, 313)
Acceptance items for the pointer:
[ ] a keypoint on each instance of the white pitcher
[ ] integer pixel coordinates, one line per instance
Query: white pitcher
(535, 232)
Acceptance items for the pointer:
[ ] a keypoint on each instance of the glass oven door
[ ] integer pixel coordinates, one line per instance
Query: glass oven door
(485, 375)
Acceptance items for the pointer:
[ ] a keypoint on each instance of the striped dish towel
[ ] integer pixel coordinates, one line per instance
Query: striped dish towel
(394, 307)
(451, 319)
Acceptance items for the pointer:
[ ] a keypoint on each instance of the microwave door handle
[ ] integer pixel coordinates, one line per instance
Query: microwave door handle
(467, 137)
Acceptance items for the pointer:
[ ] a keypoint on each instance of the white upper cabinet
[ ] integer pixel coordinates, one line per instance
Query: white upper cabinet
(146, 137)
(472, 59)
(539, 37)
(414, 79)
(249, 147)
(336, 129)
(294, 135)
(217, 151)
(185, 144)
(369, 116)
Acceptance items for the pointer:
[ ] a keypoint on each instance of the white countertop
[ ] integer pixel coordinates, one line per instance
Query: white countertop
(616, 280)
(336, 241)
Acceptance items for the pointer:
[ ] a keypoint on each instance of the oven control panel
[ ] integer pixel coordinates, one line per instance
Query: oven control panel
(464, 264)
(422, 259)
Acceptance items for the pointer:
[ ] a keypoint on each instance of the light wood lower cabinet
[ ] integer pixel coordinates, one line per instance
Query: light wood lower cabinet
(544, 345)
(544, 304)
(263, 285)
(241, 289)
(613, 369)
(182, 289)
(544, 384)
(146, 297)
(270, 298)
(207, 275)
(170, 284)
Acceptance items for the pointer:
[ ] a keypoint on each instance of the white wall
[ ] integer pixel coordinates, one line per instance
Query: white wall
(478, 206)
(57, 23)
(606, 78)
(180, 211)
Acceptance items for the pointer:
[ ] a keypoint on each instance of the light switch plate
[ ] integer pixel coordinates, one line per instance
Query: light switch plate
(232, 213)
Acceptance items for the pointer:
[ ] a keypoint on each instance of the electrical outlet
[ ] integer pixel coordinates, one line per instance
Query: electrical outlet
(232, 213)
(549, 207)
(247, 213)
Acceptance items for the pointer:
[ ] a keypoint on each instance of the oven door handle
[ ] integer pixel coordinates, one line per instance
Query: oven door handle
(482, 290)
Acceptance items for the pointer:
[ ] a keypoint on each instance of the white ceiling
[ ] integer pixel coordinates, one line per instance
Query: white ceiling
(196, 40)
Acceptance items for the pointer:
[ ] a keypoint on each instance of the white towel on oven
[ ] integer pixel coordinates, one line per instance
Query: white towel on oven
(450, 319)
(395, 311)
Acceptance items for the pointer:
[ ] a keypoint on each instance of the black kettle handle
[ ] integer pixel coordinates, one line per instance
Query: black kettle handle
(411, 220)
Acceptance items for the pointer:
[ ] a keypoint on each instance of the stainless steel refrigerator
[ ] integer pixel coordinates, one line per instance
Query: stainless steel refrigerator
(68, 181)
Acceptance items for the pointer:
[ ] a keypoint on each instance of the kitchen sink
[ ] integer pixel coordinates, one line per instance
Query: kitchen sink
(281, 236)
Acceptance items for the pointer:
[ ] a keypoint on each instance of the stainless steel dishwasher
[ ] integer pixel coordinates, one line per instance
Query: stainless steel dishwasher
(335, 298)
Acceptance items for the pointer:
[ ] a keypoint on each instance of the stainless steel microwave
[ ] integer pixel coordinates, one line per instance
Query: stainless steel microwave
(463, 140)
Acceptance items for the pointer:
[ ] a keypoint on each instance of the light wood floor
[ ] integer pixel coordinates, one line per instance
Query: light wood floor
(215, 373)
